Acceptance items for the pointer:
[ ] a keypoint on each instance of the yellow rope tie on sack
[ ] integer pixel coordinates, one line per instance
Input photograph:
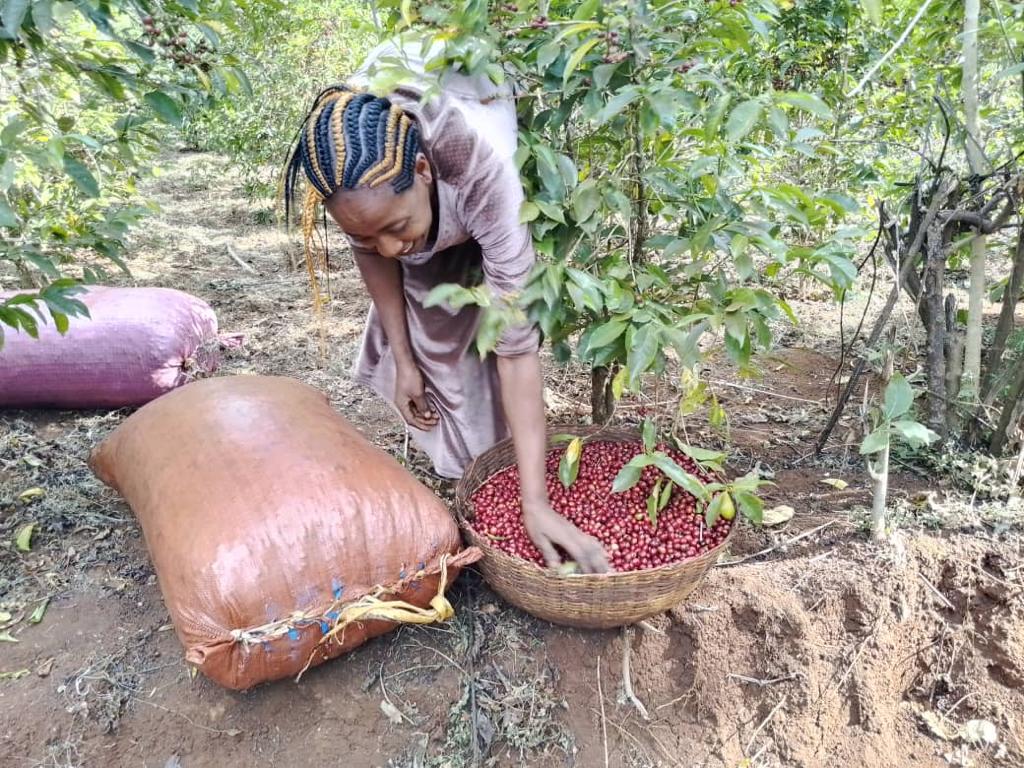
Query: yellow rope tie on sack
(372, 608)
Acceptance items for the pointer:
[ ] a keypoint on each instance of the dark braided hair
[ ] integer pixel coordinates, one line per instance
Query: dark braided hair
(348, 140)
(351, 139)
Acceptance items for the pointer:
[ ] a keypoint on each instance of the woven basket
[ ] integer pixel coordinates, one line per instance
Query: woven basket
(576, 600)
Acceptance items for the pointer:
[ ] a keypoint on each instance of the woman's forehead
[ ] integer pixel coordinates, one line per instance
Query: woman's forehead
(366, 211)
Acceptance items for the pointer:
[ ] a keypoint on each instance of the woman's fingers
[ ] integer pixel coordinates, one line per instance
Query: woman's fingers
(588, 554)
(548, 551)
(423, 408)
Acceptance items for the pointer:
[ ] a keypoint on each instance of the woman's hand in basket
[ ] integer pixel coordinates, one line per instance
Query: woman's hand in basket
(547, 528)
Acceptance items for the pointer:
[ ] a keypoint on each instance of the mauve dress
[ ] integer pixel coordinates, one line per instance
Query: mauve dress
(479, 239)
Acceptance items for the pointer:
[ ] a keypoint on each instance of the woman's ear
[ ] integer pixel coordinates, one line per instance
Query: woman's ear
(423, 169)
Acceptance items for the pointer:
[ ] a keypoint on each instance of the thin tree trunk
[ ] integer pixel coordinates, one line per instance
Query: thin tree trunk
(602, 401)
(1002, 431)
(1006, 317)
(879, 471)
(954, 362)
(880, 478)
(934, 283)
(976, 160)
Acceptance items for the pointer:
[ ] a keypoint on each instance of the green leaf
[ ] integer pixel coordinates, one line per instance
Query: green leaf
(39, 612)
(547, 54)
(1016, 69)
(619, 383)
(751, 506)
(547, 167)
(591, 288)
(585, 200)
(528, 212)
(616, 104)
(587, 10)
(605, 334)
(666, 495)
(143, 52)
(898, 397)
(679, 476)
(453, 294)
(629, 475)
(779, 122)
(702, 455)
(876, 441)
(715, 117)
(652, 502)
(14, 16)
(807, 102)
(576, 58)
(569, 466)
(873, 8)
(7, 637)
(643, 351)
(552, 210)
(23, 541)
(7, 216)
(82, 176)
(649, 435)
(743, 119)
(42, 15)
(714, 509)
(915, 433)
(166, 108)
(603, 75)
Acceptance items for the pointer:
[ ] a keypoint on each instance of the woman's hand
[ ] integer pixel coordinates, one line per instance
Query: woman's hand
(410, 397)
(547, 528)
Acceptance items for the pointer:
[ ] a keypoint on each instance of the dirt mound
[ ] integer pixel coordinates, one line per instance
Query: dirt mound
(875, 657)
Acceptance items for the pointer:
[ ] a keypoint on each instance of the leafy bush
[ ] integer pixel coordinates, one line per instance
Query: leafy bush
(87, 94)
(291, 51)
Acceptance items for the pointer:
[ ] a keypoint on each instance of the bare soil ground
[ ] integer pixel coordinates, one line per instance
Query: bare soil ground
(809, 646)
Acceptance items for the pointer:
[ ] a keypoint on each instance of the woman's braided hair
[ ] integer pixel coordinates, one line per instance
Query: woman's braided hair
(349, 139)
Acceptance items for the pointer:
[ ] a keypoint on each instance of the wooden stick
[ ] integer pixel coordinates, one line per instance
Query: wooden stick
(238, 260)
(764, 722)
(604, 722)
(627, 682)
(936, 592)
(786, 543)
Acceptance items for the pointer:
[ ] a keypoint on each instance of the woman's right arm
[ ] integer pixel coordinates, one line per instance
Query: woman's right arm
(383, 278)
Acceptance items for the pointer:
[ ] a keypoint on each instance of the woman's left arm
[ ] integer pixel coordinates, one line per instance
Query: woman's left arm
(523, 401)
(490, 196)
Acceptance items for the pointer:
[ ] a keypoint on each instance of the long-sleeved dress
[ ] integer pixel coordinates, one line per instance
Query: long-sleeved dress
(469, 138)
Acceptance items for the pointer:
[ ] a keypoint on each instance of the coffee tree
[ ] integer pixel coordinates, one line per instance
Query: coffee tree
(645, 129)
(87, 93)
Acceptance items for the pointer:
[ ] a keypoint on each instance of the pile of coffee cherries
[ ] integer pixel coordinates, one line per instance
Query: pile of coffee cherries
(620, 521)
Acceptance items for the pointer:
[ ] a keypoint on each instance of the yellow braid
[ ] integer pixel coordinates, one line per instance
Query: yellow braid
(404, 123)
(339, 138)
(310, 140)
(394, 114)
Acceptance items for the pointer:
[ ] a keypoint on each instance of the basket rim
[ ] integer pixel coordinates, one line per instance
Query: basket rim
(464, 491)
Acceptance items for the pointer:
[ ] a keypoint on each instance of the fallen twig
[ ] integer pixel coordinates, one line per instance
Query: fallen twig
(758, 681)
(765, 392)
(934, 591)
(781, 545)
(627, 683)
(238, 260)
(189, 720)
(604, 721)
(764, 722)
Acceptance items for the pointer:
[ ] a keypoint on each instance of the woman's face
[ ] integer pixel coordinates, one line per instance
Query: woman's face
(377, 219)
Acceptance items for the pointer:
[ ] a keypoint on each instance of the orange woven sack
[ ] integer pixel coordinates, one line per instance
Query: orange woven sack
(280, 536)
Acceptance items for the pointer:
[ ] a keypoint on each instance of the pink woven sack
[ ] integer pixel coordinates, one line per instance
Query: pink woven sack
(137, 344)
